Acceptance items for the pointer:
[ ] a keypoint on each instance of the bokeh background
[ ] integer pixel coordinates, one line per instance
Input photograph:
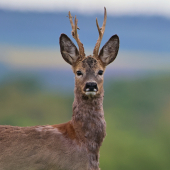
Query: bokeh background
(36, 85)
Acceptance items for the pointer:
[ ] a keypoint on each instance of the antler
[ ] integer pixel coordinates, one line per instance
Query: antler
(101, 32)
(75, 34)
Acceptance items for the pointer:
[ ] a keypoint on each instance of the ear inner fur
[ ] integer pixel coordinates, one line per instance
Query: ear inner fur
(110, 50)
(68, 50)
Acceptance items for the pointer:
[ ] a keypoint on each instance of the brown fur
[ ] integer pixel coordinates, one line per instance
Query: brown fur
(67, 130)
(39, 148)
(89, 123)
(73, 145)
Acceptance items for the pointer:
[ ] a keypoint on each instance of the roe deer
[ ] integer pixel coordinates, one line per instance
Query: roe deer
(73, 145)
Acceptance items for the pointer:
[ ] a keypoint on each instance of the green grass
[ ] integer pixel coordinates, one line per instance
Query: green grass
(137, 113)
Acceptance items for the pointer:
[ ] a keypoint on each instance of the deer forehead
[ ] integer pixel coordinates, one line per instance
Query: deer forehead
(89, 64)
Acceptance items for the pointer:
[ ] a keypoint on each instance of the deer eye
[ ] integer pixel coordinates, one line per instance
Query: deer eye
(100, 72)
(79, 73)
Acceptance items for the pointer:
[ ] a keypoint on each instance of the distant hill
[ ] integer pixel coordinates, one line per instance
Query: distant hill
(43, 29)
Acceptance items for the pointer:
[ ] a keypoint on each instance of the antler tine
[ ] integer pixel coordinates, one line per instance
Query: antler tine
(75, 34)
(101, 32)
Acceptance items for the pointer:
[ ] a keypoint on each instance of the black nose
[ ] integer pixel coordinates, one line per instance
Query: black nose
(91, 86)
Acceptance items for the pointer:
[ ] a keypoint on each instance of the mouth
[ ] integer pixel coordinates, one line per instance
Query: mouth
(89, 92)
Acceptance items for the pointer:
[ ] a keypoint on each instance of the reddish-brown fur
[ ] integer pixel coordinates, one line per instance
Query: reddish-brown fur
(67, 130)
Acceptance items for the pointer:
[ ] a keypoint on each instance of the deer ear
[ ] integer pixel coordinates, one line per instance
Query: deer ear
(109, 51)
(68, 50)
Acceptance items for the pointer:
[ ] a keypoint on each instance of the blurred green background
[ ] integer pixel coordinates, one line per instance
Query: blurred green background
(136, 112)
(36, 85)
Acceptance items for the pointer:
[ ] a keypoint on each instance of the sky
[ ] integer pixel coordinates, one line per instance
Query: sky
(114, 7)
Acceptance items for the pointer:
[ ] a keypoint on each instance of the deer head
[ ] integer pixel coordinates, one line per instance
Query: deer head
(89, 70)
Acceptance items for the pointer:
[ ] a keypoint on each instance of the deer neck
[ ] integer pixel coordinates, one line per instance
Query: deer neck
(88, 120)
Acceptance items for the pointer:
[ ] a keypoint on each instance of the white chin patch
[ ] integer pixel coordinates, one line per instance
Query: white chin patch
(92, 93)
